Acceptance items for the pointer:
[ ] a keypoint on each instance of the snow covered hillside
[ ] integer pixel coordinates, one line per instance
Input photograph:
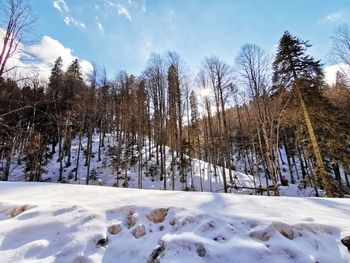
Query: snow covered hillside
(137, 175)
(43, 222)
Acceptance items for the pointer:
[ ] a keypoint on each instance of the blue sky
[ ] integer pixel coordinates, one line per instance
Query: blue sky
(121, 34)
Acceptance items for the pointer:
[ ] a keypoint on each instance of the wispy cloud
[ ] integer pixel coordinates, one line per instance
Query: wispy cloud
(71, 21)
(143, 6)
(61, 6)
(110, 3)
(100, 26)
(335, 16)
(123, 11)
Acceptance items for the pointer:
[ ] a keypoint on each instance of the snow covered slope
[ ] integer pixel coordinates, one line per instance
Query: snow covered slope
(42, 222)
(202, 177)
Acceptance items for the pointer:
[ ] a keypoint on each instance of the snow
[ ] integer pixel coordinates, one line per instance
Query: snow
(64, 222)
(204, 178)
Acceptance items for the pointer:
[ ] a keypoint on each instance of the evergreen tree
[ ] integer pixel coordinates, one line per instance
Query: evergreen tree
(73, 83)
(195, 122)
(173, 91)
(195, 117)
(302, 74)
(291, 63)
(56, 80)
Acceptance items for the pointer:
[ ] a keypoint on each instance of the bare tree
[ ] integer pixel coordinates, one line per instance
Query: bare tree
(340, 52)
(219, 79)
(254, 68)
(17, 21)
(155, 75)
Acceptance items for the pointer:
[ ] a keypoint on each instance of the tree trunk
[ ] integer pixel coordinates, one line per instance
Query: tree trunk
(347, 179)
(60, 155)
(7, 165)
(78, 158)
(88, 155)
(100, 142)
(319, 160)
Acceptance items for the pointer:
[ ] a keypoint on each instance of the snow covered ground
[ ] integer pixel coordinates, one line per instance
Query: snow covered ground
(44, 222)
(203, 175)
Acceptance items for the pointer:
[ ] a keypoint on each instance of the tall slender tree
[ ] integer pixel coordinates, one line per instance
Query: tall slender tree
(296, 71)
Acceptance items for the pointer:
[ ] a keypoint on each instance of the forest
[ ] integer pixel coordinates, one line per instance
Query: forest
(258, 110)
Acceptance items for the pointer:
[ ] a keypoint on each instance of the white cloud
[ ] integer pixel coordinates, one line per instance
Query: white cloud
(61, 6)
(335, 16)
(110, 3)
(46, 52)
(143, 7)
(71, 21)
(49, 49)
(123, 11)
(100, 26)
(331, 71)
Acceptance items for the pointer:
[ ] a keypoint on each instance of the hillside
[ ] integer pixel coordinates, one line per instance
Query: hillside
(200, 175)
(71, 223)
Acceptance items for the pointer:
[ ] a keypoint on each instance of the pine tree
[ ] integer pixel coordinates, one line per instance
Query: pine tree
(54, 93)
(195, 122)
(56, 80)
(73, 82)
(291, 63)
(173, 90)
(195, 117)
(296, 71)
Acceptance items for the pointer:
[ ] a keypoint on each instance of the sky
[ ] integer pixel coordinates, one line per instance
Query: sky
(121, 34)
